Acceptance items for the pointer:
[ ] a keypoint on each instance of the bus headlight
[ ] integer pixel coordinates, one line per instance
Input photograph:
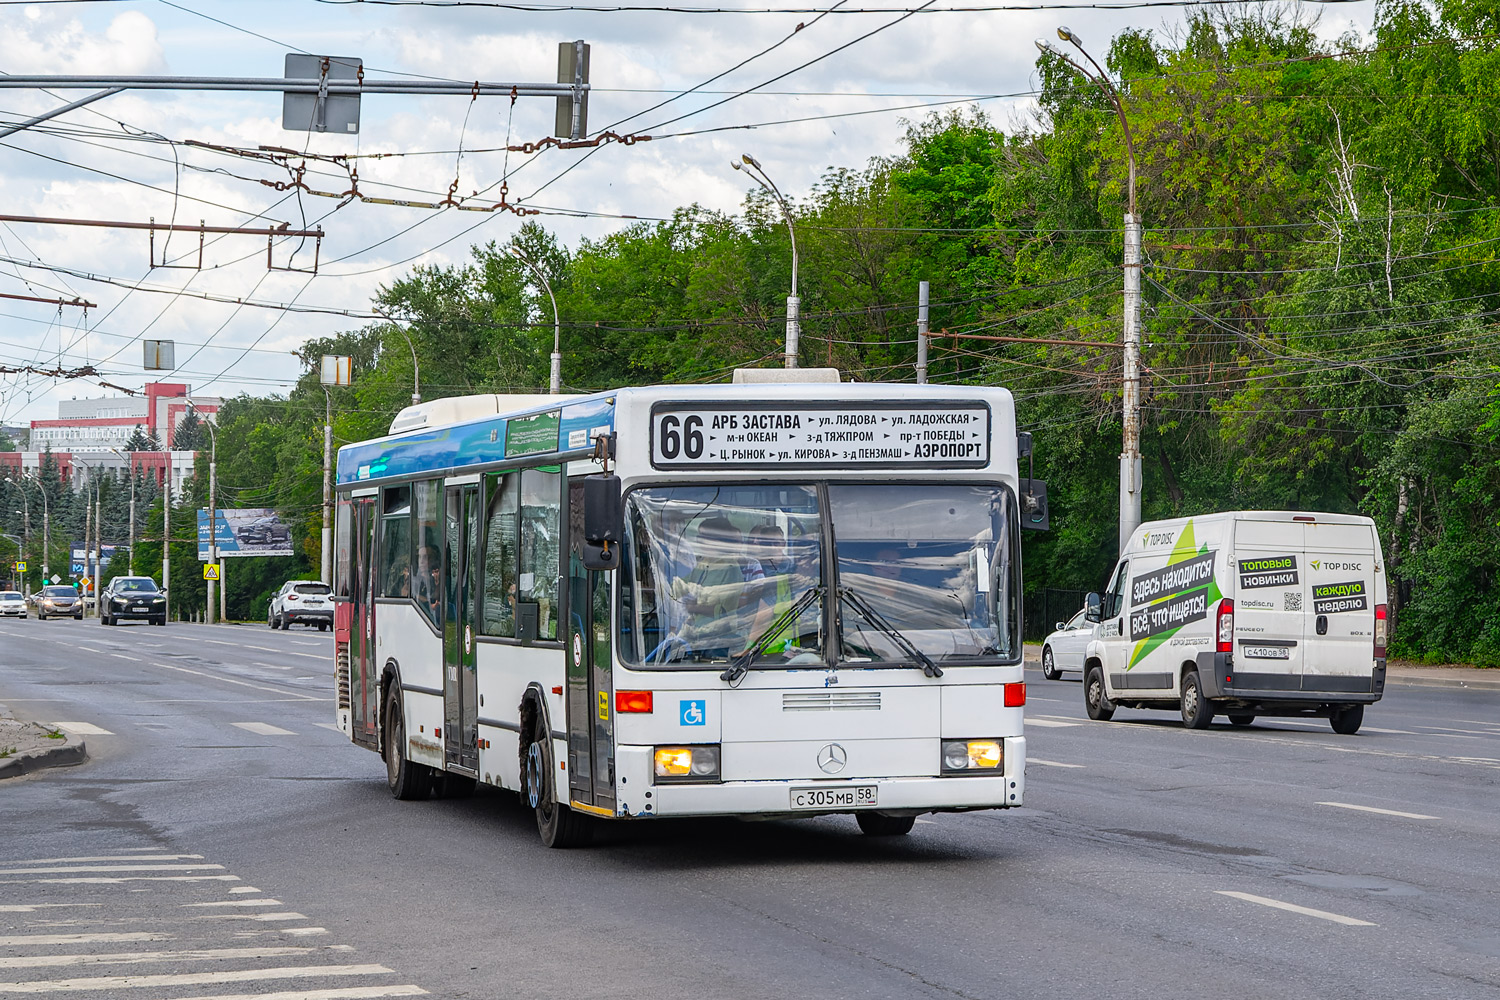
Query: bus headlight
(699, 763)
(973, 756)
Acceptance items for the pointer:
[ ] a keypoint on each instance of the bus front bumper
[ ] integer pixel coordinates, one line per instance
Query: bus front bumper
(767, 799)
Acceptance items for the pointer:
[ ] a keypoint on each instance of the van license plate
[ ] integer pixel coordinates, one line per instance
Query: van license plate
(1267, 652)
(834, 797)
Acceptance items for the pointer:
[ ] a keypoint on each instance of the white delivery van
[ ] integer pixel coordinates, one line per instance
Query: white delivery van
(1242, 614)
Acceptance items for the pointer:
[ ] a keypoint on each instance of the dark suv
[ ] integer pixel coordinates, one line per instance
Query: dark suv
(132, 597)
(59, 602)
(264, 531)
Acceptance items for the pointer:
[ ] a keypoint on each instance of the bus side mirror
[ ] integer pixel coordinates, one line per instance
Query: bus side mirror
(1093, 608)
(1034, 513)
(603, 520)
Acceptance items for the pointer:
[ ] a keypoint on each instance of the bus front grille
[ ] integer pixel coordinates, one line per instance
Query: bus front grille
(830, 701)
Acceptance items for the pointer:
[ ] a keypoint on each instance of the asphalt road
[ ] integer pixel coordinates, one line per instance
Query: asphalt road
(224, 841)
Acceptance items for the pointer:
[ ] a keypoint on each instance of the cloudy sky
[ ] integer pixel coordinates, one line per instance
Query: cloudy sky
(127, 158)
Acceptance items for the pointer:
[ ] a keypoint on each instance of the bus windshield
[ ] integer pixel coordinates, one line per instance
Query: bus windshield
(708, 571)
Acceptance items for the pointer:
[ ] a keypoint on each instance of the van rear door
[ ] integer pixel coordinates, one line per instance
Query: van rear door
(1340, 618)
(1269, 605)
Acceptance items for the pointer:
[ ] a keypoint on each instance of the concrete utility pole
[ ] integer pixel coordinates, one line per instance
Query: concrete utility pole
(1130, 454)
(555, 382)
(326, 562)
(166, 528)
(752, 166)
(922, 333)
(213, 526)
(130, 471)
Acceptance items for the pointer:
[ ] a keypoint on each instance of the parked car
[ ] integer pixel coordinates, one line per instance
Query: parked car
(302, 602)
(12, 604)
(59, 602)
(264, 531)
(1064, 649)
(133, 597)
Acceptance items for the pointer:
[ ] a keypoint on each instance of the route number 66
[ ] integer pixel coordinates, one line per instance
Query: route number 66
(683, 437)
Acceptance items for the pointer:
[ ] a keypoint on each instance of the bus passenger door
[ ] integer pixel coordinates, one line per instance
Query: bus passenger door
(364, 669)
(460, 690)
(591, 710)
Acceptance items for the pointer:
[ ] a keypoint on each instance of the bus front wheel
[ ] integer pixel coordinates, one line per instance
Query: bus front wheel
(558, 825)
(874, 824)
(407, 780)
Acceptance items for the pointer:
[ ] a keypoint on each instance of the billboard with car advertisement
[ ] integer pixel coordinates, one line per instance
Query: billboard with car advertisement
(245, 531)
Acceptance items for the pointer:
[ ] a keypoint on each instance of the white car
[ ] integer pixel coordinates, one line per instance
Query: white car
(12, 604)
(1064, 649)
(305, 602)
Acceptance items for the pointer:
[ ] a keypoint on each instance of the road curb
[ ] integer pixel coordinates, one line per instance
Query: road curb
(70, 752)
(1484, 684)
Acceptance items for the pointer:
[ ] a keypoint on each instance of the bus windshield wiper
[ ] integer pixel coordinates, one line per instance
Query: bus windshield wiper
(741, 663)
(859, 604)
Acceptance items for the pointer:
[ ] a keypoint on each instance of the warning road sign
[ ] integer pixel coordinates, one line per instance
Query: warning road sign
(210, 571)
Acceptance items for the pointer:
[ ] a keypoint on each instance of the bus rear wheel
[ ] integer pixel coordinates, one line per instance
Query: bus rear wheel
(407, 781)
(558, 825)
(874, 824)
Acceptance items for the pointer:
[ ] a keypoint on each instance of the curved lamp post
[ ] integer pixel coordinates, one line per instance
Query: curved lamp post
(751, 166)
(1130, 454)
(555, 381)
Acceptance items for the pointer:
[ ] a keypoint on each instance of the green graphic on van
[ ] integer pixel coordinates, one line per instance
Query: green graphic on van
(1172, 597)
(1331, 598)
(1271, 571)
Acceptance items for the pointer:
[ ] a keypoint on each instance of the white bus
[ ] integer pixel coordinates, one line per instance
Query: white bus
(732, 600)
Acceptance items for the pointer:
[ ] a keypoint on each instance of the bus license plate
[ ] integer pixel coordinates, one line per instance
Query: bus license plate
(1267, 653)
(834, 797)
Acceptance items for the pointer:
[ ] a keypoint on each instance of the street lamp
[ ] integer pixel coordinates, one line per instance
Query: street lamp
(751, 166)
(213, 533)
(46, 524)
(555, 382)
(130, 471)
(416, 372)
(1130, 454)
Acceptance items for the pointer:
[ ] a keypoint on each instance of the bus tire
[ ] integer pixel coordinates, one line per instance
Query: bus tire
(1347, 720)
(1197, 713)
(874, 824)
(1095, 701)
(407, 780)
(557, 824)
(449, 785)
(1240, 718)
(1049, 665)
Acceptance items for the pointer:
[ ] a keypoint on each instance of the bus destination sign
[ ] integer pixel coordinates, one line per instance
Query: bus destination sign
(759, 435)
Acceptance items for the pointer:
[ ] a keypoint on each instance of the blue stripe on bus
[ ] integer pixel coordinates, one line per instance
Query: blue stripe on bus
(456, 446)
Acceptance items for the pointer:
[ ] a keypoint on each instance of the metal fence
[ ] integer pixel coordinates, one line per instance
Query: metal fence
(1046, 609)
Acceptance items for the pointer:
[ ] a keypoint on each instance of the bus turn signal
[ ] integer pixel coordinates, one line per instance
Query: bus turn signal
(633, 701)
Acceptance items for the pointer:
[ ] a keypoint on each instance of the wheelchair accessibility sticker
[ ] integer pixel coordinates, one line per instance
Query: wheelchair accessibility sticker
(694, 712)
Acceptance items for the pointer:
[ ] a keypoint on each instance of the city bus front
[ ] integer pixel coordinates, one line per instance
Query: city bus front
(808, 618)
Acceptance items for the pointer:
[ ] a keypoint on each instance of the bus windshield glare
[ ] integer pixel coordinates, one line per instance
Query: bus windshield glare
(707, 570)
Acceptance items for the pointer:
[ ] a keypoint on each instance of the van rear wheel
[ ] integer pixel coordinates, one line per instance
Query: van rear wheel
(1197, 713)
(1347, 720)
(1095, 700)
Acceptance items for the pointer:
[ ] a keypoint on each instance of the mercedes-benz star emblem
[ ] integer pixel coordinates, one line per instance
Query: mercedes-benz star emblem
(832, 758)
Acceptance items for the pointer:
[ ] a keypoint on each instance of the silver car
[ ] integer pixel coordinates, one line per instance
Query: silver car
(59, 602)
(1065, 648)
(12, 604)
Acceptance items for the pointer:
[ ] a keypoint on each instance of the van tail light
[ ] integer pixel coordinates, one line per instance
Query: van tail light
(1225, 627)
(1380, 627)
(1015, 694)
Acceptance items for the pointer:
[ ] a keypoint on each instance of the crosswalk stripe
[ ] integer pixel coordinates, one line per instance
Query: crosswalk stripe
(108, 880)
(82, 729)
(19, 940)
(305, 931)
(262, 917)
(137, 856)
(263, 729)
(343, 993)
(239, 902)
(191, 978)
(137, 957)
(107, 868)
(33, 907)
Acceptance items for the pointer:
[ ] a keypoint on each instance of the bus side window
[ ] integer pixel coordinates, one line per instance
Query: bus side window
(541, 530)
(501, 535)
(427, 558)
(395, 542)
(343, 539)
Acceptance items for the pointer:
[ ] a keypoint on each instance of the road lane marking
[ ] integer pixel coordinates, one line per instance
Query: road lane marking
(1049, 763)
(262, 729)
(82, 729)
(231, 680)
(262, 917)
(106, 868)
(244, 888)
(1306, 911)
(193, 978)
(1450, 729)
(139, 957)
(1372, 809)
(304, 931)
(325, 657)
(17, 940)
(135, 856)
(342, 993)
(114, 880)
(1272, 721)
(273, 666)
(122, 656)
(299, 642)
(239, 902)
(33, 907)
(1046, 723)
